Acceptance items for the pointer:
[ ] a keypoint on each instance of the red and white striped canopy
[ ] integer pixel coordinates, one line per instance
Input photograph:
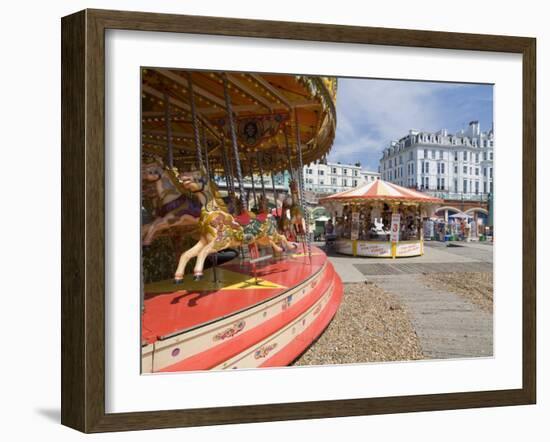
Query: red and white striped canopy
(380, 190)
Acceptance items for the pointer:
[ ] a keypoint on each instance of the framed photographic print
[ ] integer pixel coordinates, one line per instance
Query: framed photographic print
(269, 221)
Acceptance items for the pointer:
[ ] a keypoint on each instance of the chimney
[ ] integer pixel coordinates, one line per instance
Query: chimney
(474, 128)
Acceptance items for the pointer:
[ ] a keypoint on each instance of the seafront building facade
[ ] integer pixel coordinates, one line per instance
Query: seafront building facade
(450, 166)
(333, 177)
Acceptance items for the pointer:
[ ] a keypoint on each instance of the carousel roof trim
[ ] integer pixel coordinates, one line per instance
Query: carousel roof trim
(265, 107)
(380, 190)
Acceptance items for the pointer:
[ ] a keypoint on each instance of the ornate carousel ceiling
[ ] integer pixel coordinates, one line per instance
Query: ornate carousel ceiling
(271, 113)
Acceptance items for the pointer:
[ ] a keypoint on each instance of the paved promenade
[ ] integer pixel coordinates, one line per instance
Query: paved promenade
(447, 325)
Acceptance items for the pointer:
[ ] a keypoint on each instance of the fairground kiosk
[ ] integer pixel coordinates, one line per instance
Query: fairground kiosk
(223, 287)
(380, 219)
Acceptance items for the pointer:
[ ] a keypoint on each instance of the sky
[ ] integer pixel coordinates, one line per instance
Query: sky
(371, 113)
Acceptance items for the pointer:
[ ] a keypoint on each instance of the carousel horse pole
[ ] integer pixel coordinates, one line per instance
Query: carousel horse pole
(251, 170)
(168, 120)
(233, 132)
(227, 176)
(207, 161)
(196, 135)
(259, 161)
(274, 194)
(289, 155)
(301, 175)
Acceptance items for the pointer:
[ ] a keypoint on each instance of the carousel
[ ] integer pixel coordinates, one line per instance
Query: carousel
(380, 219)
(227, 282)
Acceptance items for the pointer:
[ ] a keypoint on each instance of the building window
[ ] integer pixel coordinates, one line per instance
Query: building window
(427, 182)
(442, 167)
(456, 169)
(440, 154)
(484, 156)
(465, 169)
(477, 170)
(465, 156)
(310, 171)
(465, 186)
(456, 186)
(354, 183)
(333, 181)
(427, 167)
(433, 154)
(456, 156)
(322, 182)
(410, 155)
(491, 156)
(345, 171)
(477, 187)
(321, 172)
(490, 172)
(477, 157)
(484, 187)
(334, 170)
(442, 183)
(491, 187)
(355, 172)
(425, 153)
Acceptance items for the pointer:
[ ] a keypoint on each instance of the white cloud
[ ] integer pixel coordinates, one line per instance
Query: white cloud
(371, 113)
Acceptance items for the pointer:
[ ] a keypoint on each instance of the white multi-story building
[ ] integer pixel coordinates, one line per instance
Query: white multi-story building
(451, 166)
(329, 178)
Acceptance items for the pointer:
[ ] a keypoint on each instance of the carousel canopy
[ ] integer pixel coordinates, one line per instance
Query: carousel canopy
(382, 191)
(270, 114)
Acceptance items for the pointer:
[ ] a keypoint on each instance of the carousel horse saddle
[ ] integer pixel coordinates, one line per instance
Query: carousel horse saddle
(243, 219)
(262, 217)
(246, 218)
(182, 205)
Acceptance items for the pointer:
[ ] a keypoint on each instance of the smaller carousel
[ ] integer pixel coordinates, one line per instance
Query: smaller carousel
(380, 219)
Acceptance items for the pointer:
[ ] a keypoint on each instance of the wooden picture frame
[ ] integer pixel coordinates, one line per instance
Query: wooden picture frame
(83, 220)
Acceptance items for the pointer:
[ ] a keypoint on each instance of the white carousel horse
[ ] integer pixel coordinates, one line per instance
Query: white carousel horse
(378, 227)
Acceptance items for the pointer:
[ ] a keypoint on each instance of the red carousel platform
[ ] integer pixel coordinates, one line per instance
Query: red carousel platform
(249, 318)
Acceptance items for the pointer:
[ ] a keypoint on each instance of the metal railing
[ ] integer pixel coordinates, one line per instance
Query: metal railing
(459, 196)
